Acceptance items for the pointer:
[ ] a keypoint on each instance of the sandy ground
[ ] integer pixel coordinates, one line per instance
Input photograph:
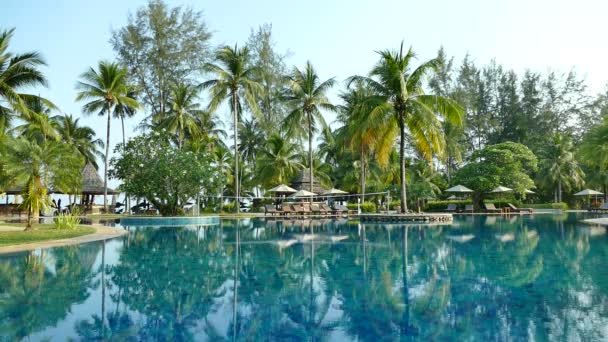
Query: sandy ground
(101, 233)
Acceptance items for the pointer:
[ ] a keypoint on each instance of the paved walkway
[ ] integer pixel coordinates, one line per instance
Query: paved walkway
(101, 233)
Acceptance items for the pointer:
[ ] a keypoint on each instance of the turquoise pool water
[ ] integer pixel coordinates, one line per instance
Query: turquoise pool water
(543, 277)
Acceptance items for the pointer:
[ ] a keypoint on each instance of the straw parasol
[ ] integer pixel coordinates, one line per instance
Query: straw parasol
(334, 191)
(459, 188)
(501, 189)
(303, 193)
(588, 193)
(282, 188)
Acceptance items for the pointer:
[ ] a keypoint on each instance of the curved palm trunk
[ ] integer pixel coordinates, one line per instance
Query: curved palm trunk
(105, 171)
(237, 205)
(402, 164)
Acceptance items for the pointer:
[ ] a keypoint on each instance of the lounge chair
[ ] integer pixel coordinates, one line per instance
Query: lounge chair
(306, 209)
(344, 209)
(270, 209)
(326, 209)
(521, 210)
(286, 209)
(315, 208)
(451, 208)
(490, 208)
(469, 208)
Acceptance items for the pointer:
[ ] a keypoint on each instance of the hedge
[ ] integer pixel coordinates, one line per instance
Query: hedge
(560, 206)
(438, 206)
(366, 207)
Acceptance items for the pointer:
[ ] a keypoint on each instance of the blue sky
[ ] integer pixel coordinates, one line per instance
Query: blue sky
(339, 37)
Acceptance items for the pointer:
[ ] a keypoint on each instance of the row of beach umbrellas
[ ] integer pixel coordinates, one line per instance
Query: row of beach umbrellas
(499, 189)
(283, 189)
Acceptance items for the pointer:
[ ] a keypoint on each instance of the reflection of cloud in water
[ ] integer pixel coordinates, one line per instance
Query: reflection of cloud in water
(505, 237)
(594, 230)
(461, 238)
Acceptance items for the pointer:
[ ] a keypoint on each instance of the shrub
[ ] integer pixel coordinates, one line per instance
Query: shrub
(366, 207)
(228, 208)
(442, 205)
(67, 221)
(438, 206)
(560, 206)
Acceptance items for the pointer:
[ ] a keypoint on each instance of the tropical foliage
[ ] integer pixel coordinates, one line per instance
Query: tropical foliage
(150, 167)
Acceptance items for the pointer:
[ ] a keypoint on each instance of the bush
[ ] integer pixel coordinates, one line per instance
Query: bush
(228, 208)
(442, 205)
(67, 221)
(366, 207)
(438, 206)
(559, 206)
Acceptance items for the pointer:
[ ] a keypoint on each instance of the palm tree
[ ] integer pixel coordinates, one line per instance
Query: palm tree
(279, 161)
(363, 138)
(306, 97)
(80, 137)
(182, 118)
(104, 89)
(17, 71)
(221, 157)
(234, 77)
(38, 166)
(251, 140)
(559, 168)
(400, 101)
(123, 111)
(37, 122)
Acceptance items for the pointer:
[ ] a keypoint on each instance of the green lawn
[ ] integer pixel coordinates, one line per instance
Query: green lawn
(42, 232)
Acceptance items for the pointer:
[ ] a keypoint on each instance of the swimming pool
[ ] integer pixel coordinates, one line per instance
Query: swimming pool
(480, 278)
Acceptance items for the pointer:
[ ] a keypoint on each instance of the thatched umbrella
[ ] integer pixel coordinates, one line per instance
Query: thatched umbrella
(588, 193)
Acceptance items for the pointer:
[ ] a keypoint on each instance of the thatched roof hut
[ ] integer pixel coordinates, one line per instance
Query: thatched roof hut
(92, 184)
(302, 182)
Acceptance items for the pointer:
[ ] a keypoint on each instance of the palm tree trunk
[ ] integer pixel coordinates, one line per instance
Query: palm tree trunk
(402, 164)
(310, 153)
(124, 145)
(236, 152)
(105, 171)
(363, 174)
(559, 190)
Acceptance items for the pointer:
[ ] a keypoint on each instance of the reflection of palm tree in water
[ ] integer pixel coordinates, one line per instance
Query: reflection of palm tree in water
(406, 329)
(236, 282)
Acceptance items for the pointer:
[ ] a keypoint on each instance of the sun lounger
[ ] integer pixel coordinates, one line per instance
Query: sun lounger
(451, 208)
(490, 208)
(270, 209)
(286, 209)
(343, 209)
(315, 208)
(306, 209)
(327, 209)
(468, 208)
(520, 210)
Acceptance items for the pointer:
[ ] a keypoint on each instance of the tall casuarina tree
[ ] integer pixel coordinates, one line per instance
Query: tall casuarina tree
(306, 98)
(234, 81)
(400, 101)
(103, 90)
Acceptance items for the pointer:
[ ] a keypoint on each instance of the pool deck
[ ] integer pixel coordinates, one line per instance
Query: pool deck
(101, 233)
